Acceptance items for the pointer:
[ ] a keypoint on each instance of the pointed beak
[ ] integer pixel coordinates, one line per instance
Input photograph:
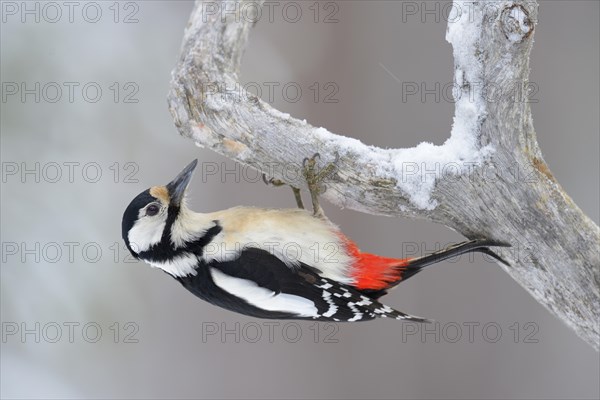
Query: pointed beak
(178, 185)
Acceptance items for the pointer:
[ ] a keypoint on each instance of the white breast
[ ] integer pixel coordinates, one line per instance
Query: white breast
(293, 236)
(182, 265)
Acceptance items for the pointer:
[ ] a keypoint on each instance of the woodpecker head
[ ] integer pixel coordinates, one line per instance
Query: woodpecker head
(149, 218)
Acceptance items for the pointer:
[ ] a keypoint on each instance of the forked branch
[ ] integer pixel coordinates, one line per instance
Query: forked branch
(491, 179)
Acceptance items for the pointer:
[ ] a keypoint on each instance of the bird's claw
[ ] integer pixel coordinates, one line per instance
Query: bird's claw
(278, 183)
(272, 181)
(315, 179)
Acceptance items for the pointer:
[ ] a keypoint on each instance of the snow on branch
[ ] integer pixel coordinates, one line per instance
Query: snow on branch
(480, 191)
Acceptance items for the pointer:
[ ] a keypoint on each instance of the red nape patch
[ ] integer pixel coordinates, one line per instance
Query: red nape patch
(371, 271)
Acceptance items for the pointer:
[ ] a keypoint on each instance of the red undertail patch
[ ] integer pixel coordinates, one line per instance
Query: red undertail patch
(371, 271)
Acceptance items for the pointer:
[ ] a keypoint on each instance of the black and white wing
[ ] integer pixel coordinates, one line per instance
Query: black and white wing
(259, 284)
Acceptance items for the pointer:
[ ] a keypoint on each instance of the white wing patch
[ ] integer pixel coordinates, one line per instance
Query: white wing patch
(264, 298)
(179, 266)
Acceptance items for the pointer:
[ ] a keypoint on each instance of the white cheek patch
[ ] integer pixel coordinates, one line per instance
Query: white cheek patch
(180, 266)
(263, 298)
(146, 232)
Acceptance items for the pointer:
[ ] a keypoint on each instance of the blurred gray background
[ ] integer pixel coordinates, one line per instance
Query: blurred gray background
(159, 341)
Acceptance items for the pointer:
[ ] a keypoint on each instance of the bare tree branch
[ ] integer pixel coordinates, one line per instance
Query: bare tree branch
(489, 179)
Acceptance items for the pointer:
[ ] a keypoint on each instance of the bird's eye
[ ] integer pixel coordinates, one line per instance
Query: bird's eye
(152, 209)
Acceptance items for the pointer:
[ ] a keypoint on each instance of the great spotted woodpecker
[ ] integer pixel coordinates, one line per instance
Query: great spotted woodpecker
(269, 263)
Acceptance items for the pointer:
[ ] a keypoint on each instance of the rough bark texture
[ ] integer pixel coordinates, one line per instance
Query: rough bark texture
(511, 196)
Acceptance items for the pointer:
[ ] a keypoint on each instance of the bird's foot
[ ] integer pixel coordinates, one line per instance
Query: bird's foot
(278, 183)
(315, 179)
